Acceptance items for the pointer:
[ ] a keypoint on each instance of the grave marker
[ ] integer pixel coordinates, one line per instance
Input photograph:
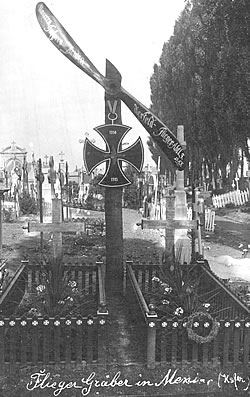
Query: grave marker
(56, 227)
(114, 178)
(181, 238)
(3, 189)
(40, 179)
(169, 225)
(52, 176)
(159, 132)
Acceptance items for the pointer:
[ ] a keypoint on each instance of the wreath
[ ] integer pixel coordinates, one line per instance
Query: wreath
(199, 316)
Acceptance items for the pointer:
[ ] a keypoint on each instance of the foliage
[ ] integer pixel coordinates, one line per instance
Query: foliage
(202, 82)
(230, 206)
(4, 279)
(27, 204)
(73, 190)
(177, 294)
(131, 192)
(8, 215)
(96, 194)
(56, 294)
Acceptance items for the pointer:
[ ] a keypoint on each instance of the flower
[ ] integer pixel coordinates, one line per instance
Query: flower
(72, 284)
(40, 288)
(179, 311)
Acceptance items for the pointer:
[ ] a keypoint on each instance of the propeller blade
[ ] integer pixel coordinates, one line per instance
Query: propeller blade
(158, 131)
(61, 39)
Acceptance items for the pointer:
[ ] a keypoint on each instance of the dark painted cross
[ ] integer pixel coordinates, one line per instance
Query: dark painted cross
(113, 135)
(52, 176)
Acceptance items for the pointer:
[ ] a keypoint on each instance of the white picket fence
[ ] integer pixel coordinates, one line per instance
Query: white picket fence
(236, 197)
(209, 218)
(160, 213)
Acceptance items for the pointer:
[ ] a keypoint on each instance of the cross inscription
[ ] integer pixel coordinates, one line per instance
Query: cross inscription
(113, 135)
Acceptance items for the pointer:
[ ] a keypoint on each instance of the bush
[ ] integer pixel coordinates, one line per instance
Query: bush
(246, 209)
(27, 204)
(8, 215)
(230, 206)
(217, 192)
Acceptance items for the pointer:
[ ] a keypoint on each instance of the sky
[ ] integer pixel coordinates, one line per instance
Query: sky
(47, 103)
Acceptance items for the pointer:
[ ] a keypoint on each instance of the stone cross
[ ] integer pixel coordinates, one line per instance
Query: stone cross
(56, 227)
(181, 237)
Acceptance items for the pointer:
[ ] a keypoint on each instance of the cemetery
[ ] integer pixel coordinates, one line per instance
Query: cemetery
(127, 300)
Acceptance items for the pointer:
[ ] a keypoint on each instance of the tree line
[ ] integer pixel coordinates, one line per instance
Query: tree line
(203, 82)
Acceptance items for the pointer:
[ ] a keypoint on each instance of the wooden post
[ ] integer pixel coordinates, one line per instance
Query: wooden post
(2, 191)
(114, 178)
(170, 225)
(40, 180)
(67, 189)
(151, 346)
(198, 209)
(57, 236)
(170, 233)
(113, 205)
(52, 176)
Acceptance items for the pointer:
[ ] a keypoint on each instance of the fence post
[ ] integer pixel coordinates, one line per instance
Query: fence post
(151, 346)
(151, 337)
(102, 338)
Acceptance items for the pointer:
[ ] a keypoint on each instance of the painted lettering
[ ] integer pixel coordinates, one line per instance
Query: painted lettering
(171, 378)
(146, 117)
(51, 28)
(234, 379)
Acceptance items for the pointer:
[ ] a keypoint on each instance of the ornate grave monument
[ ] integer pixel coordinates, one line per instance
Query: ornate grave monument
(112, 132)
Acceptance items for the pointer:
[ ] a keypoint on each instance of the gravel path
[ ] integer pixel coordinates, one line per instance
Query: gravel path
(141, 244)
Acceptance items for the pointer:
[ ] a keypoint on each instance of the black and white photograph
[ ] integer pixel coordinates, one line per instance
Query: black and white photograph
(125, 198)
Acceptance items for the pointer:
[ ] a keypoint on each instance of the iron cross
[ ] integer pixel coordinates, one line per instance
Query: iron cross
(113, 135)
